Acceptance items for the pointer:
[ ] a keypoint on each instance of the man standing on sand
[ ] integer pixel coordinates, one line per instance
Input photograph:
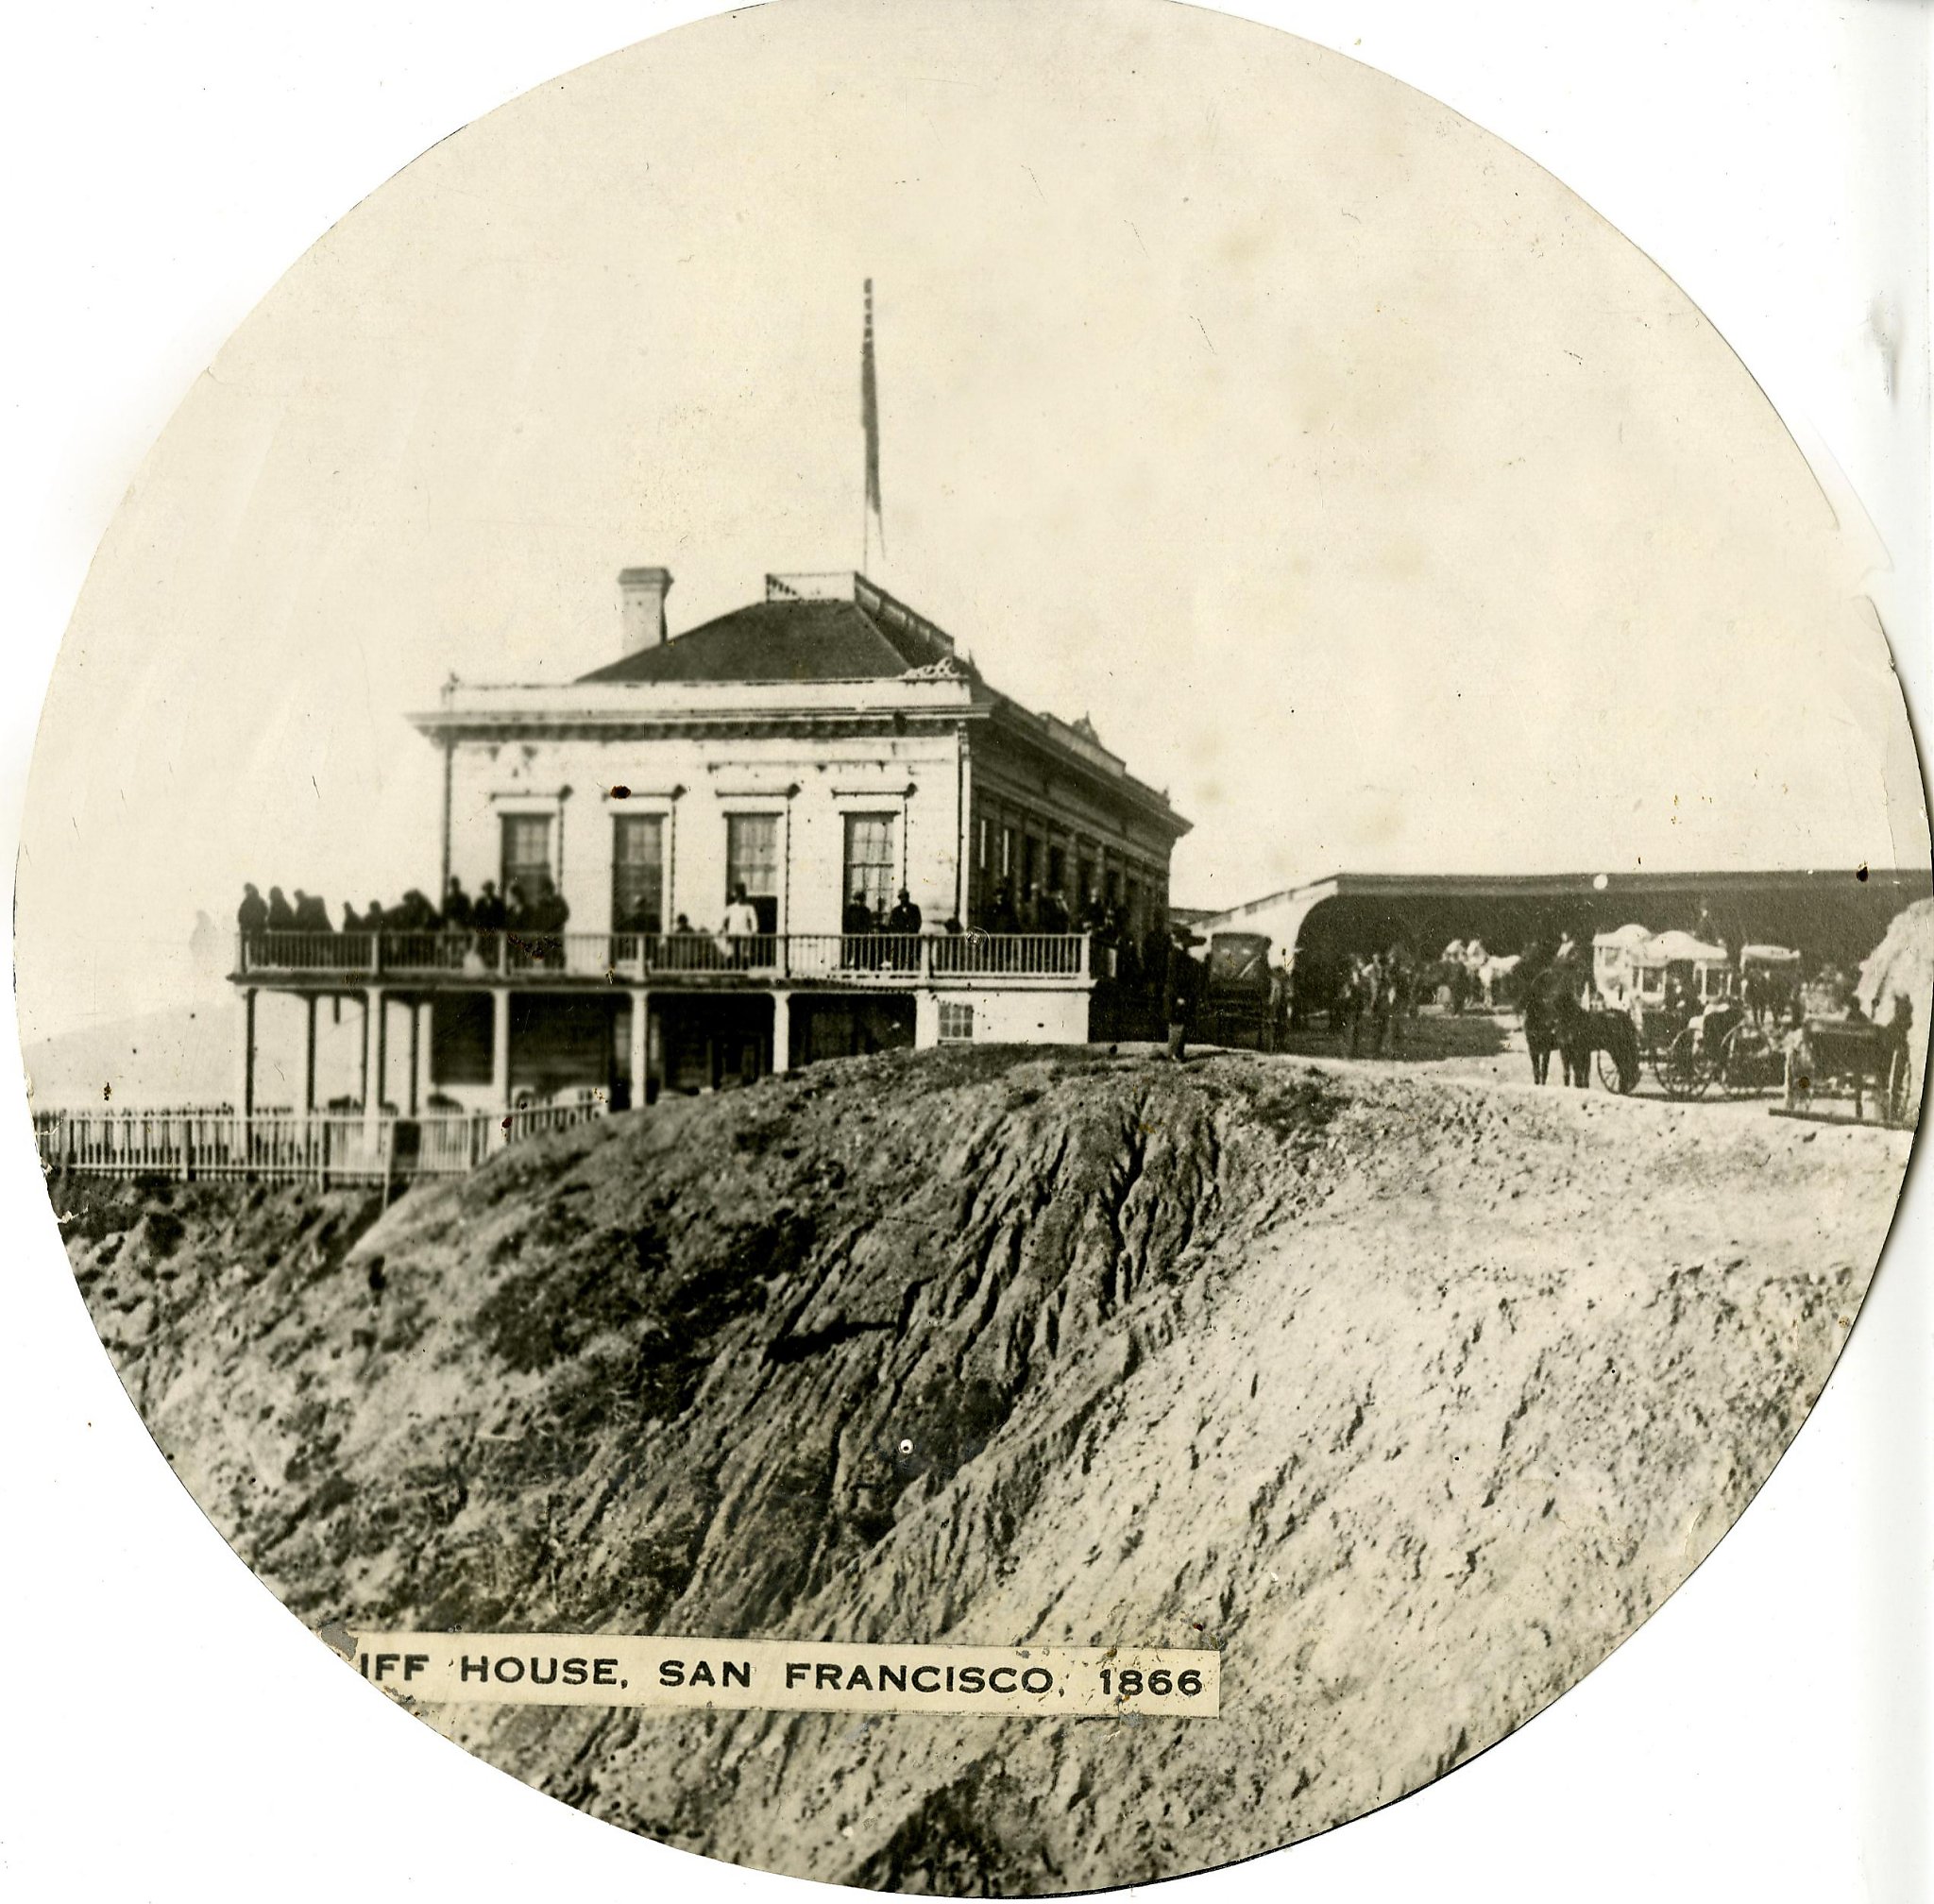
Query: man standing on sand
(1178, 995)
(1281, 996)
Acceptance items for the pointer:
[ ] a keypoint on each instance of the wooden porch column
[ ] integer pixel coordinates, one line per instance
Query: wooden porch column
(415, 1053)
(500, 1049)
(782, 1031)
(308, 1103)
(244, 1076)
(375, 1056)
(640, 1045)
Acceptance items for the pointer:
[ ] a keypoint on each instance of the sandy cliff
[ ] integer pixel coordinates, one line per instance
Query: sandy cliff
(1413, 1397)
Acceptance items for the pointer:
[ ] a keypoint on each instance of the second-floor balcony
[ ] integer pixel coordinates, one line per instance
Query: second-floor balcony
(463, 958)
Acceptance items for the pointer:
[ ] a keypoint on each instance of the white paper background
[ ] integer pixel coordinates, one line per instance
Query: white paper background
(171, 1731)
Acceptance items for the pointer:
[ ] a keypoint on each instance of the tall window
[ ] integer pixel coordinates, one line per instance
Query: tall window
(751, 861)
(872, 867)
(527, 852)
(637, 873)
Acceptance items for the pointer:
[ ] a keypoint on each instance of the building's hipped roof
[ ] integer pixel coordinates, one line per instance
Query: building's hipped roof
(832, 628)
(787, 638)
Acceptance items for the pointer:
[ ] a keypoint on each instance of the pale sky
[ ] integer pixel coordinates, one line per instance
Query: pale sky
(1367, 490)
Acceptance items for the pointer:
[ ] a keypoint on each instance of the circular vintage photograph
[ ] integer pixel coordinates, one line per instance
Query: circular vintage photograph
(977, 949)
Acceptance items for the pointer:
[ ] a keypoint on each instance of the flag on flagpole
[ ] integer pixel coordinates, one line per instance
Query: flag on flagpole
(869, 423)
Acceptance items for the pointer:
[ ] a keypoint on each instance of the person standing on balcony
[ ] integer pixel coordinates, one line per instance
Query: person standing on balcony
(857, 925)
(1054, 913)
(1001, 916)
(902, 922)
(456, 920)
(740, 926)
(549, 912)
(487, 919)
(251, 921)
(281, 915)
(312, 914)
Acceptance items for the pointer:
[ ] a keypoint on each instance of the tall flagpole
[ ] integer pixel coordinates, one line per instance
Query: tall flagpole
(870, 428)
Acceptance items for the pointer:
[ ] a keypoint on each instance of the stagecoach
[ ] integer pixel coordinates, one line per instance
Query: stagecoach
(1237, 999)
(1684, 1002)
(1611, 964)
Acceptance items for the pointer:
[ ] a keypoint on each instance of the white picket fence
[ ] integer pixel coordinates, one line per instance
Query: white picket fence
(320, 1148)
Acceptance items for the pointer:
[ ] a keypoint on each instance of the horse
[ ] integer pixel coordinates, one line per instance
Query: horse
(1557, 1019)
(1612, 1034)
(1496, 972)
(1551, 1023)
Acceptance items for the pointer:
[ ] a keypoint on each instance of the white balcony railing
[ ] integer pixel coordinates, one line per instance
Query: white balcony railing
(887, 959)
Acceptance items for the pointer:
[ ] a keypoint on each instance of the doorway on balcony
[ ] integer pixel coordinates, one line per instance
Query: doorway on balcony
(526, 861)
(751, 861)
(871, 865)
(637, 874)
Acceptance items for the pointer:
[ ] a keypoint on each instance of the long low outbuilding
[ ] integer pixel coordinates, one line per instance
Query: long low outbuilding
(1831, 917)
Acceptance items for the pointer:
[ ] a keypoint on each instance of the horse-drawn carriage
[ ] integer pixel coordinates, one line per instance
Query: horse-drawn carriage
(1850, 1059)
(1240, 992)
(1701, 1020)
(1682, 998)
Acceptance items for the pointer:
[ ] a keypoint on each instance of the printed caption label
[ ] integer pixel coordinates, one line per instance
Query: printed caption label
(579, 1669)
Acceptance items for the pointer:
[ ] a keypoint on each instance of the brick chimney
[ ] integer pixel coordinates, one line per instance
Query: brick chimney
(641, 594)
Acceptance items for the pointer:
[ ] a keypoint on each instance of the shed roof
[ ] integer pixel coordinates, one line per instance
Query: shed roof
(1674, 947)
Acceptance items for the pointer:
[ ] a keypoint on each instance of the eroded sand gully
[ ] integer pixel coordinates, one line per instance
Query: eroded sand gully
(1411, 1393)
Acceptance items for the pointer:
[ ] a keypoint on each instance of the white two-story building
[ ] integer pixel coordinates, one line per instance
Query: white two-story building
(822, 749)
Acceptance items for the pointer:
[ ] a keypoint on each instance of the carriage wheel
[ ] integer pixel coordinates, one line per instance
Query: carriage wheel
(1737, 1064)
(1681, 1069)
(1606, 1065)
(1895, 1110)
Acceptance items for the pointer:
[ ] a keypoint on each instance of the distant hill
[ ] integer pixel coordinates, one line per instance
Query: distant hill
(185, 1055)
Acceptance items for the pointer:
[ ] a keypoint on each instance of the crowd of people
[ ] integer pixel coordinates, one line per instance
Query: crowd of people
(530, 921)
